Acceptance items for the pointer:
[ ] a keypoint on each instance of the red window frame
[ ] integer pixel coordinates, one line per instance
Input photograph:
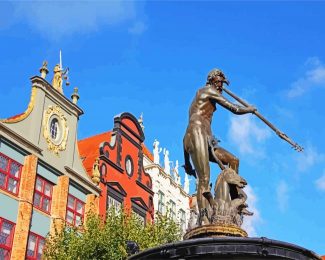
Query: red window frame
(74, 210)
(9, 239)
(9, 176)
(37, 244)
(42, 194)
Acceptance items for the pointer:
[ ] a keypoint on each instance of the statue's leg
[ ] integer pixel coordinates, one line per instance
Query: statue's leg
(200, 158)
(226, 158)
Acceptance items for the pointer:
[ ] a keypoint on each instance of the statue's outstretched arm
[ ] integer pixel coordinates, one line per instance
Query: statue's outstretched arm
(234, 108)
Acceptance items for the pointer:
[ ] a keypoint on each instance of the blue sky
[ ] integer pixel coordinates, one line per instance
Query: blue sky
(152, 56)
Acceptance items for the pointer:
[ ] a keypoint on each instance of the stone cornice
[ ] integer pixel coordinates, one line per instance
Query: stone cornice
(107, 160)
(24, 142)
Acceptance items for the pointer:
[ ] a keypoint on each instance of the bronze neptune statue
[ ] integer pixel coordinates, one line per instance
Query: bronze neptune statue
(199, 142)
(202, 147)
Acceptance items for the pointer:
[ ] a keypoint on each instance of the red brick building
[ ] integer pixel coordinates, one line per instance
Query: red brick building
(116, 158)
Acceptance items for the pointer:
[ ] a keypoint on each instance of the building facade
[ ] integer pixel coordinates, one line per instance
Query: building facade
(43, 183)
(116, 159)
(170, 197)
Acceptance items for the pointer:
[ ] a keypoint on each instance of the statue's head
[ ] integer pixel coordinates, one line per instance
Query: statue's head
(57, 68)
(217, 77)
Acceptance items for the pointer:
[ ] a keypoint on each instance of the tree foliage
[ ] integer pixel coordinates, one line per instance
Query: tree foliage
(107, 239)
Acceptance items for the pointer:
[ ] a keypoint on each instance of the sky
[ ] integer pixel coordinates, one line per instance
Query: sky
(151, 57)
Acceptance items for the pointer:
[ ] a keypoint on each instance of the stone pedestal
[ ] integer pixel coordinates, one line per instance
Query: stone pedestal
(227, 248)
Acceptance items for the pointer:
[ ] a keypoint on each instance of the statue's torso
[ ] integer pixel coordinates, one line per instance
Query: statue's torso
(201, 110)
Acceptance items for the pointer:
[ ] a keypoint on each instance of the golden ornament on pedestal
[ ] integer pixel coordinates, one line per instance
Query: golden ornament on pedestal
(215, 231)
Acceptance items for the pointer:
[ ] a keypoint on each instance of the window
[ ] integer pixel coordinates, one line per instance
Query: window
(172, 210)
(35, 247)
(115, 196)
(10, 171)
(182, 219)
(113, 203)
(140, 217)
(43, 194)
(6, 238)
(139, 209)
(161, 202)
(75, 211)
(54, 128)
(129, 165)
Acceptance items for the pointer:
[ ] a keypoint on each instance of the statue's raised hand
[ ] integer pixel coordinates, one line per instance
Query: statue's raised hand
(251, 109)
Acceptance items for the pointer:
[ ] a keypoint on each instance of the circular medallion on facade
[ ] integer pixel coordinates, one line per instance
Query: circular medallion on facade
(55, 129)
(129, 165)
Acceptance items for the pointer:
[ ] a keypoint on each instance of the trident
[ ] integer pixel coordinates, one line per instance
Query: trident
(277, 131)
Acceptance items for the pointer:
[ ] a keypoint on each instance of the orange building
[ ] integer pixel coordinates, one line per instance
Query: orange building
(115, 160)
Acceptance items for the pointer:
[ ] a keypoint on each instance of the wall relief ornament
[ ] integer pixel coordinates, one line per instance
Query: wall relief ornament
(55, 129)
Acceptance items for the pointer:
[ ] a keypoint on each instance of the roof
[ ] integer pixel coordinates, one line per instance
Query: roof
(89, 149)
(146, 152)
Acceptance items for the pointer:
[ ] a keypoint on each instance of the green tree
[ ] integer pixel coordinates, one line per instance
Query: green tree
(107, 239)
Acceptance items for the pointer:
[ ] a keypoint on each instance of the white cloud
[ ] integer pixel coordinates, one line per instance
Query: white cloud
(308, 158)
(313, 77)
(246, 134)
(282, 195)
(56, 19)
(320, 183)
(250, 222)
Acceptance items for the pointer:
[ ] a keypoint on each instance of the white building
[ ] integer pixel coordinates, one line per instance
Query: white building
(170, 196)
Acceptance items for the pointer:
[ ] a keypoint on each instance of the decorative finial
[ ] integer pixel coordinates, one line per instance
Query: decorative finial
(96, 174)
(43, 70)
(75, 96)
(140, 120)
